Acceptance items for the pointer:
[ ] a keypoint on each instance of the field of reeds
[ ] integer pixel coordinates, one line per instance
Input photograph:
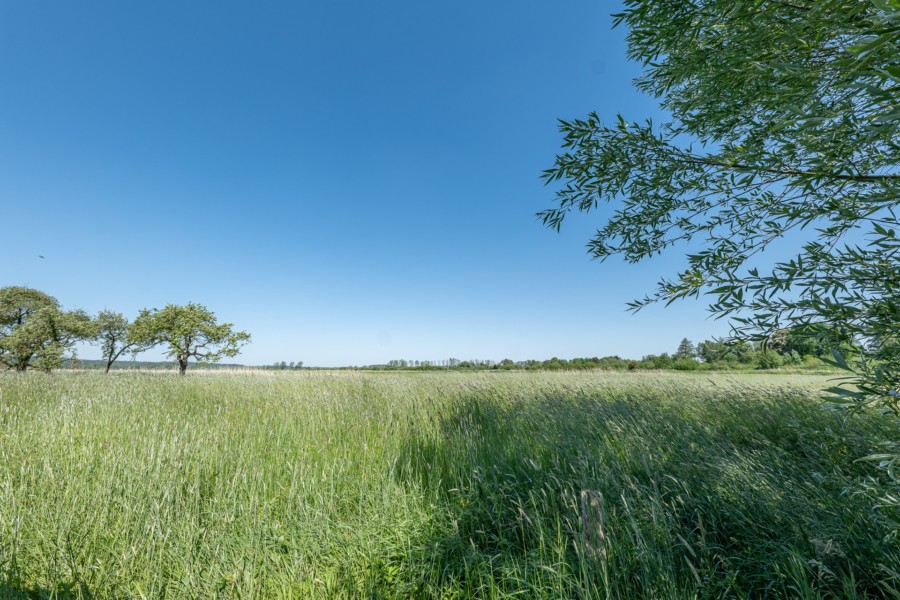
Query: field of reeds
(499, 485)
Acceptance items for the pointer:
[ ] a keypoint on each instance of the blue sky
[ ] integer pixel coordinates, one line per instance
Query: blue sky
(351, 182)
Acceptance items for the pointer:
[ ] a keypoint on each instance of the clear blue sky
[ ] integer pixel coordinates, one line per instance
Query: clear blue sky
(351, 182)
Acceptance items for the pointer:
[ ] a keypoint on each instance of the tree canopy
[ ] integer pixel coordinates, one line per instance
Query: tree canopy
(190, 331)
(794, 107)
(685, 350)
(35, 332)
(784, 125)
(115, 337)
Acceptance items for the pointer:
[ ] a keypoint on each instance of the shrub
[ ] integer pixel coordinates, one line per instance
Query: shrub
(632, 365)
(686, 364)
(812, 361)
(769, 359)
(663, 361)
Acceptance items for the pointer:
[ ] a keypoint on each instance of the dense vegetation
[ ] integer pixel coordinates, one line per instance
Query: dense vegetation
(36, 333)
(781, 129)
(310, 485)
(785, 349)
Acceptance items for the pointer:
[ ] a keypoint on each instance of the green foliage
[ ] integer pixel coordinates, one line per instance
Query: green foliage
(609, 362)
(190, 331)
(769, 359)
(663, 361)
(685, 350)
(686, 364)
(786, 341)
(35, 332)
(115, 338)
(712, 350)
(785, 123)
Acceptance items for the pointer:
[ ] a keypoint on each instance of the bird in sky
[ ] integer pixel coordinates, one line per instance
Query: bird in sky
(40, 255)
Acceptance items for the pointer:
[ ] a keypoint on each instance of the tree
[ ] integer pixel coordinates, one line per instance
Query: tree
(115, 339)
(784, 122)
(804, 343)
(686, 364)
(663, 361)
(35, 332)
(712, 350)
(769, 359)
(191, 331)
(797, 101)
(685, 350)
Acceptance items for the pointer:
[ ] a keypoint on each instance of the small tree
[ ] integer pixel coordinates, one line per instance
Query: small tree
(663, 361)
(35, 332)
(115, 339)
(685, 350)
(191, 331)
(769, 359)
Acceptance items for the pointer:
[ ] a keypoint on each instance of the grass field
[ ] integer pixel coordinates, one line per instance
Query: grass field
(333, 485)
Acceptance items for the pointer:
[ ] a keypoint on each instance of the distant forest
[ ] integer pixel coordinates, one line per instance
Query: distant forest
(140, 364)
(782, 350)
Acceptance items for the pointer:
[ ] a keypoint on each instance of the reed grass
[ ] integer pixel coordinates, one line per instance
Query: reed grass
(368, 485)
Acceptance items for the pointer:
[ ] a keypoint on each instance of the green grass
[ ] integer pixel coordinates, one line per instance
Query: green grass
(333, 485)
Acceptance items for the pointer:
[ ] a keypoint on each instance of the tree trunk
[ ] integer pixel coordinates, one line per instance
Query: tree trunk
(182, 366)
(108, 365)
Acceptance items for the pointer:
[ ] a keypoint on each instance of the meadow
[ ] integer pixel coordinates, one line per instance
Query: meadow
(391, 485)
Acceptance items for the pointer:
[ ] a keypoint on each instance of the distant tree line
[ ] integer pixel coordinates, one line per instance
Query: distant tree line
(284, 366)
(82, 364)
(610, 362)
(785, 348)
(36, 333)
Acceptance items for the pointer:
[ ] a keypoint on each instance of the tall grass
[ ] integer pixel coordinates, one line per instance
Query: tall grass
(321, 485)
